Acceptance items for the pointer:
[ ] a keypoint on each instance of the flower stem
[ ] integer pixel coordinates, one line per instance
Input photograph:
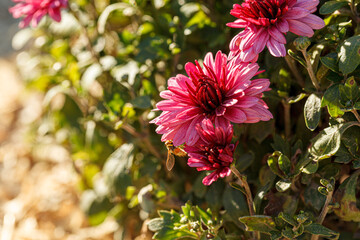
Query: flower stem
(287, 119)
(356, 114)
(323, 213)
(310, 70)
(250, 202)
(245, 185)
(291, 63)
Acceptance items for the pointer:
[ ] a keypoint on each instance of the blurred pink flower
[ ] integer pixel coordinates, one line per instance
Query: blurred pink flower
(213, 151)
(266, 21)
(218, 90)
(34, 10)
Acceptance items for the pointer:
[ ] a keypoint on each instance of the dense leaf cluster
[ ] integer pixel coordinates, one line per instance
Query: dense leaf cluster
(101, 70)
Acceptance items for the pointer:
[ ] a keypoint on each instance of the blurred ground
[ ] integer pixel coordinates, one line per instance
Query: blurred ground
(38, 197)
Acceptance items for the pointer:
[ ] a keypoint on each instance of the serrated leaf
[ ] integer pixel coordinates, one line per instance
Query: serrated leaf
(260, 223)
(312, 111)
(349, 55)
(317, 229)
(332, 6)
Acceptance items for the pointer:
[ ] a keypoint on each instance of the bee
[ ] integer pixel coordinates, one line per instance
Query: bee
(172, 152)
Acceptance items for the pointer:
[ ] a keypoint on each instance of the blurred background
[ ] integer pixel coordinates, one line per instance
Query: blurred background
(38, 197)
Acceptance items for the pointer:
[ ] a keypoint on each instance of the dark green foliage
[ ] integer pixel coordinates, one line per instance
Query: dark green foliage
(102, 75)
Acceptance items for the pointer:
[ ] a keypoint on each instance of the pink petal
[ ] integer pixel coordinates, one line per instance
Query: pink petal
(235, 115)
(209, 179)
(277, 35)
(313, 21)
(275, 48)
(283, 26)
(300, 28)
(296, 13)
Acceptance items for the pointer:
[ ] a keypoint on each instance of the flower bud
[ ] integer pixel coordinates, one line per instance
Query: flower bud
(302, 43)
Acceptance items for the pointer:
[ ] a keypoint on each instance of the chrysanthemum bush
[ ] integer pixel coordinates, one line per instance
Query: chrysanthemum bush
(263, 97)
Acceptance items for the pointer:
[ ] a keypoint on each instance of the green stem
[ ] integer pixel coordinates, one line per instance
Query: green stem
(356, 114)
(250, 202)
(323, 213)
(310, 70)
(291, 63)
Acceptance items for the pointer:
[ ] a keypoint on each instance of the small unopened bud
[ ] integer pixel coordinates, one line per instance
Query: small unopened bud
(301, 218)
(302, 43)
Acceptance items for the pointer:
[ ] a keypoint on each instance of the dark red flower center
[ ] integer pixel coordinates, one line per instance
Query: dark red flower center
(212, 155)
(209, 92)
(261, 12)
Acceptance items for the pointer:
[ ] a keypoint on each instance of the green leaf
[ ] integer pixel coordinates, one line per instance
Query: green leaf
(331, 61)
(273, 162)
(332, 6)
(317, 229)
(284, 164)
(297, 98)
(351, 89)
(346, 197)
(349, 55)
(313, 197)
(287, 218)
(331, 100)
(328, 141)
(260, 223)
(275, 235)
(235, 203)
(245, 161)
(205, 216)
(261, 130)
(288, 233)
(311, 168)
(155, 224)
(312, 111)
(297, 58)
(117, 169)
(199, 188)
(356, 164)
(283, 185)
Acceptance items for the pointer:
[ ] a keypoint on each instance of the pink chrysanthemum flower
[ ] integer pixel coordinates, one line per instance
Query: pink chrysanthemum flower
(219, 90)
(34, 10)
(213, 151)
(266, 21)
